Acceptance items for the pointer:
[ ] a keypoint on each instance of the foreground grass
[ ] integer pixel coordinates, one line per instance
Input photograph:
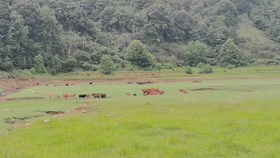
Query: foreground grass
(249, 129)
(240, 118)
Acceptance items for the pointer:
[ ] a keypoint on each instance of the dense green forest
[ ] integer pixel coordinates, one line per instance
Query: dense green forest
(61, 35)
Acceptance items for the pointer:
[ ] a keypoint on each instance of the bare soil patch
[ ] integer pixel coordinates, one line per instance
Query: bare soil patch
(204, 89)
(54, 112)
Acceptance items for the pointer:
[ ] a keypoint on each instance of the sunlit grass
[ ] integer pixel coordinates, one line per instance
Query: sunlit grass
(239, 118)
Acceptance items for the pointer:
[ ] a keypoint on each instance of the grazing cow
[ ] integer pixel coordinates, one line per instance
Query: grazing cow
(64, 95)
(82, 96)
(47, 84)
(97, 95)
(66, 84)
(145, 94)
(56, 85)
(128, 94)
(103, 95)
(88, 95)
(181, 90)
(90, 83)
(71, 95)
(58, 96)
(49, 96)
(185, 92)
(134, 94)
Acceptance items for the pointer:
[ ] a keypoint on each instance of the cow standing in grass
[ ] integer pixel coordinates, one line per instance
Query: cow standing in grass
(49, 96)
(97, 95)
(103, 95)
(82, 96)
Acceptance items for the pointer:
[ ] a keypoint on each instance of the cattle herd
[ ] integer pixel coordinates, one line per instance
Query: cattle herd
(146, 92)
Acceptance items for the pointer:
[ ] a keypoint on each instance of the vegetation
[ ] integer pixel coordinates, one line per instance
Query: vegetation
(221, 122)
(106, 65)
(179, 32)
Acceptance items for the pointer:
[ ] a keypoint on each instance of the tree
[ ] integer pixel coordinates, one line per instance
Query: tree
(69, 65)
(17, 38)
(39, 64)
(195, 53)
(56, 65)
(229, 54)
(138, 55)
(106, 65)
(50, 34)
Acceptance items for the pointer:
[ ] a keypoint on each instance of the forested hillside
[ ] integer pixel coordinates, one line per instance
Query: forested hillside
(69, 34)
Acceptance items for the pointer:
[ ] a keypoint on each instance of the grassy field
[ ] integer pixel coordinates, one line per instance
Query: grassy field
(237, 118)
(179, 73)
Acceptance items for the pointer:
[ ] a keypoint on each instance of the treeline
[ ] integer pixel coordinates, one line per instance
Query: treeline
(69, 34)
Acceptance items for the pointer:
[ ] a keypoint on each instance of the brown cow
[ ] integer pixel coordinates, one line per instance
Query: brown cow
(128, 94)
(145, 94)
(49, 96)
(64, 95)
(102, 75)
(56, 85)
(185, 92)
(97, 95)
(58, 96)
(88, 95)
(181, 90)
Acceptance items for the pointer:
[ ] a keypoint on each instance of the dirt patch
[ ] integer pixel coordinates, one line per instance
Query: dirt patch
(204, 89)
(54, 112)
(244, 90)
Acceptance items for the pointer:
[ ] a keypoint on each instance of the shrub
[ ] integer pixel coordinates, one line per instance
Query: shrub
(33, 71)
(131, 68)
(168, 66)
(230, 67)
(200, 65)
(189, 70)
(87, 66)
(206, 69)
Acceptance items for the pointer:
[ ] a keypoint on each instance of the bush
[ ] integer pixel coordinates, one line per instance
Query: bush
(206, 69)
(168, 66)
(189, 70)
(131, 68)
(87, 66)
(33, 71)
(200, 65)
(230, 67)
(158, 66)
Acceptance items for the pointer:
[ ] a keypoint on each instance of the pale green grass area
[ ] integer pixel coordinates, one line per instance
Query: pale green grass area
(249, 72)
(247, 30)
(240, 118)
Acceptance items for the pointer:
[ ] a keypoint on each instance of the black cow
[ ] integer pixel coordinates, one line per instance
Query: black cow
(82, 96)
(67, 84)
(128, 82)
(90, 83)
(103, 95)
(134, 94)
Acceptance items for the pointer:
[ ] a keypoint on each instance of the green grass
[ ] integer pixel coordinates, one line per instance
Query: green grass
(179, 73)
(247, 30)
(240, 118)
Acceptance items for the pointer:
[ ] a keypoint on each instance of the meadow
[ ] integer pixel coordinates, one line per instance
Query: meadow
(235, 118)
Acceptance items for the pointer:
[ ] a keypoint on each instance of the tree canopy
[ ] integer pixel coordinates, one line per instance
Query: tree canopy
(86, 30)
